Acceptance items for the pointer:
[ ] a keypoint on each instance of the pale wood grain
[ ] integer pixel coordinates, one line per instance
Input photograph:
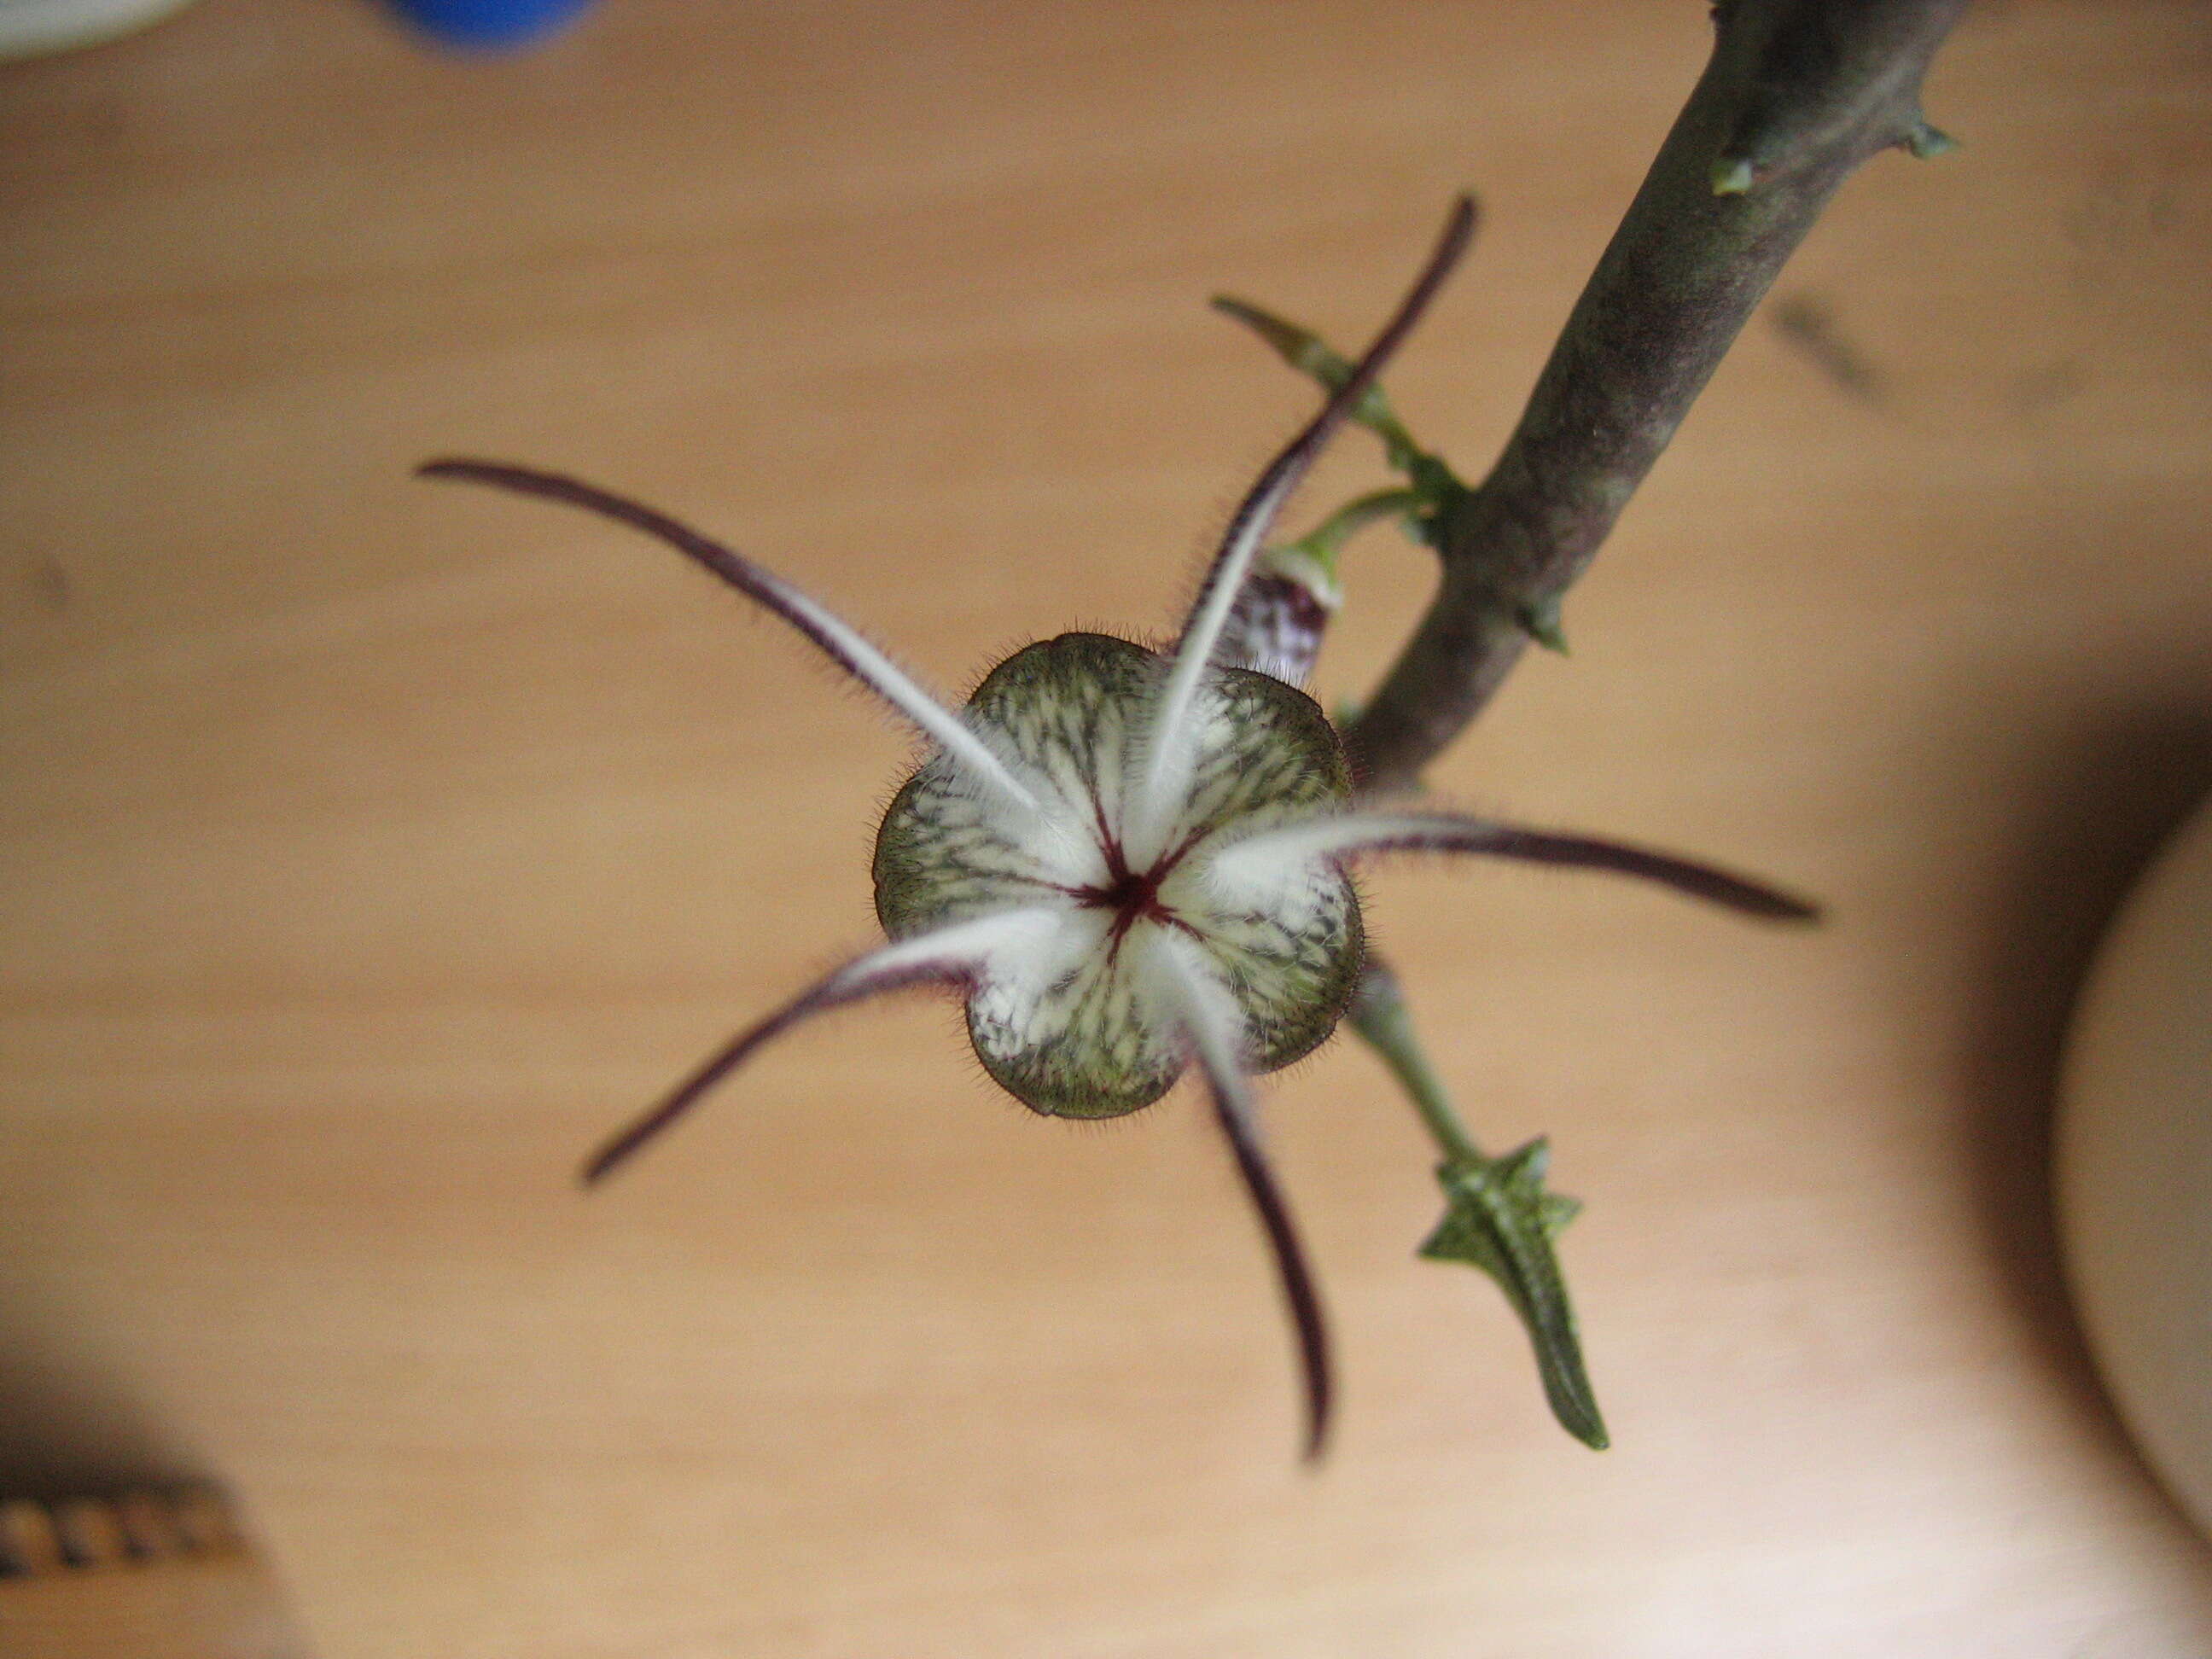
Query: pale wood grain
(143, 1575)
(221, 1607)
(365, 850)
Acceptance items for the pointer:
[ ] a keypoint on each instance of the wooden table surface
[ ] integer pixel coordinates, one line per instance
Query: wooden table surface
(367, 848)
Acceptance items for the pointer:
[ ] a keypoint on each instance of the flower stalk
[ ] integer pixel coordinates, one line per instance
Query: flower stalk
(1796, 95)
(1497, 1215)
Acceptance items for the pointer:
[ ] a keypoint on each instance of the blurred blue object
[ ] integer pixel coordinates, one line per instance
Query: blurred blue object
(490, 24)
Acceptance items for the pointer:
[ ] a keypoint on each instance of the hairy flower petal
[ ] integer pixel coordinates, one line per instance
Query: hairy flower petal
(1168, 744)
(1266, 855)
(842, 642)
(965, 953)
(1211, 1024)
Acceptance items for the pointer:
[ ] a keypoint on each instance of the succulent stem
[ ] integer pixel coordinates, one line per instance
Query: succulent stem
(1798, 93)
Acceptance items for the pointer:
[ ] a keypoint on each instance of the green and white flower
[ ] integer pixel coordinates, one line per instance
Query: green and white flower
(1131, 862)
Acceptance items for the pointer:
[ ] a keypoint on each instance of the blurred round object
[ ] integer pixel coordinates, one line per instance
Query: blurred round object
(29, 29)
(2135, 1164)
(490, 23)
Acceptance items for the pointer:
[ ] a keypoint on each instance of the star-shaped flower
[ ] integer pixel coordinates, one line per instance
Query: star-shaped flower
(1132, 862)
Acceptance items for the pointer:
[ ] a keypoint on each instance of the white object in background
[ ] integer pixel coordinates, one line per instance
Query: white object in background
(31, 28)
(2135, 1164)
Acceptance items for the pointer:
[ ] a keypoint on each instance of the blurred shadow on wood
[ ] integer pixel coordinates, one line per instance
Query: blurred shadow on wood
(2110, 801)
(67, 1426)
